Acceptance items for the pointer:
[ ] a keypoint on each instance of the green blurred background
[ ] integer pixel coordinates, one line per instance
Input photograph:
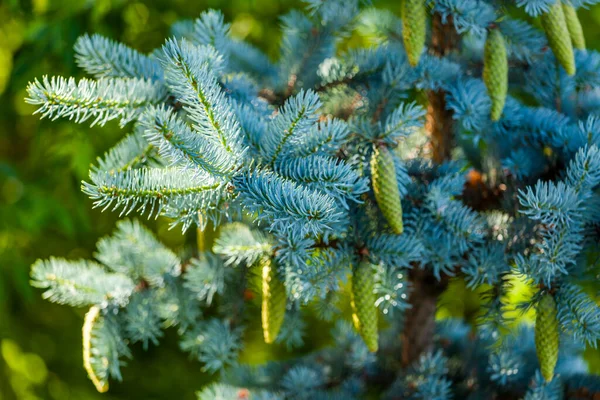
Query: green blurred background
(43, 212)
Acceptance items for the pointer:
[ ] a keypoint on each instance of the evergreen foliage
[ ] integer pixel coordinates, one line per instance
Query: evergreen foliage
(309, 169)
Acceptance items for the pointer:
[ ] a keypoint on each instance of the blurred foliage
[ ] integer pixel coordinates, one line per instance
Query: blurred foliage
(43, 213)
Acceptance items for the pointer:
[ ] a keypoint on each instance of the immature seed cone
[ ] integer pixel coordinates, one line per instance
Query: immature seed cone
(574, 26)
(273, 300)
(414, 15)
(555, 26)
(546, 336)
(364, 311)
(495, 71)
(385, 187)
(92, 317)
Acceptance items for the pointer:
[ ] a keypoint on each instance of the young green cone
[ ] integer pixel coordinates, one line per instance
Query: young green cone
(574, 26)
(385, 187)
(92, 318)
(555, 26)
(546, 335)
(414, 16)
(364, 311)
(273, 300)
(495, 71)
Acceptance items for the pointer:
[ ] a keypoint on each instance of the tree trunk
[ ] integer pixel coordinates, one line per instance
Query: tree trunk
(419, 323)
(444, 40)
(419, 320)
(439, 125)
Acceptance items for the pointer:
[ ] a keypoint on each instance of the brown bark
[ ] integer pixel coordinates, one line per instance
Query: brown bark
(582, 394)
(419, 320)
(439, 119)
(444, 37)
(419, 323)
(439, 125)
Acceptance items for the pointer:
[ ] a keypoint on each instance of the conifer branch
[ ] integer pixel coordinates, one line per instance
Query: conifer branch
(295, 118)
(132, 152)
(102, 100)
(104, 58)
(80, 283)
(177, 143)
(170, 190)
(190, 76)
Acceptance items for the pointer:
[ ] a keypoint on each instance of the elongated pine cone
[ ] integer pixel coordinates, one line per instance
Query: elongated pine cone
(414, 31)
(385, 187)
(364, 311)
(555, 26)
(546, 336)
(495, 71)
(273, 300)
(574, 26)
